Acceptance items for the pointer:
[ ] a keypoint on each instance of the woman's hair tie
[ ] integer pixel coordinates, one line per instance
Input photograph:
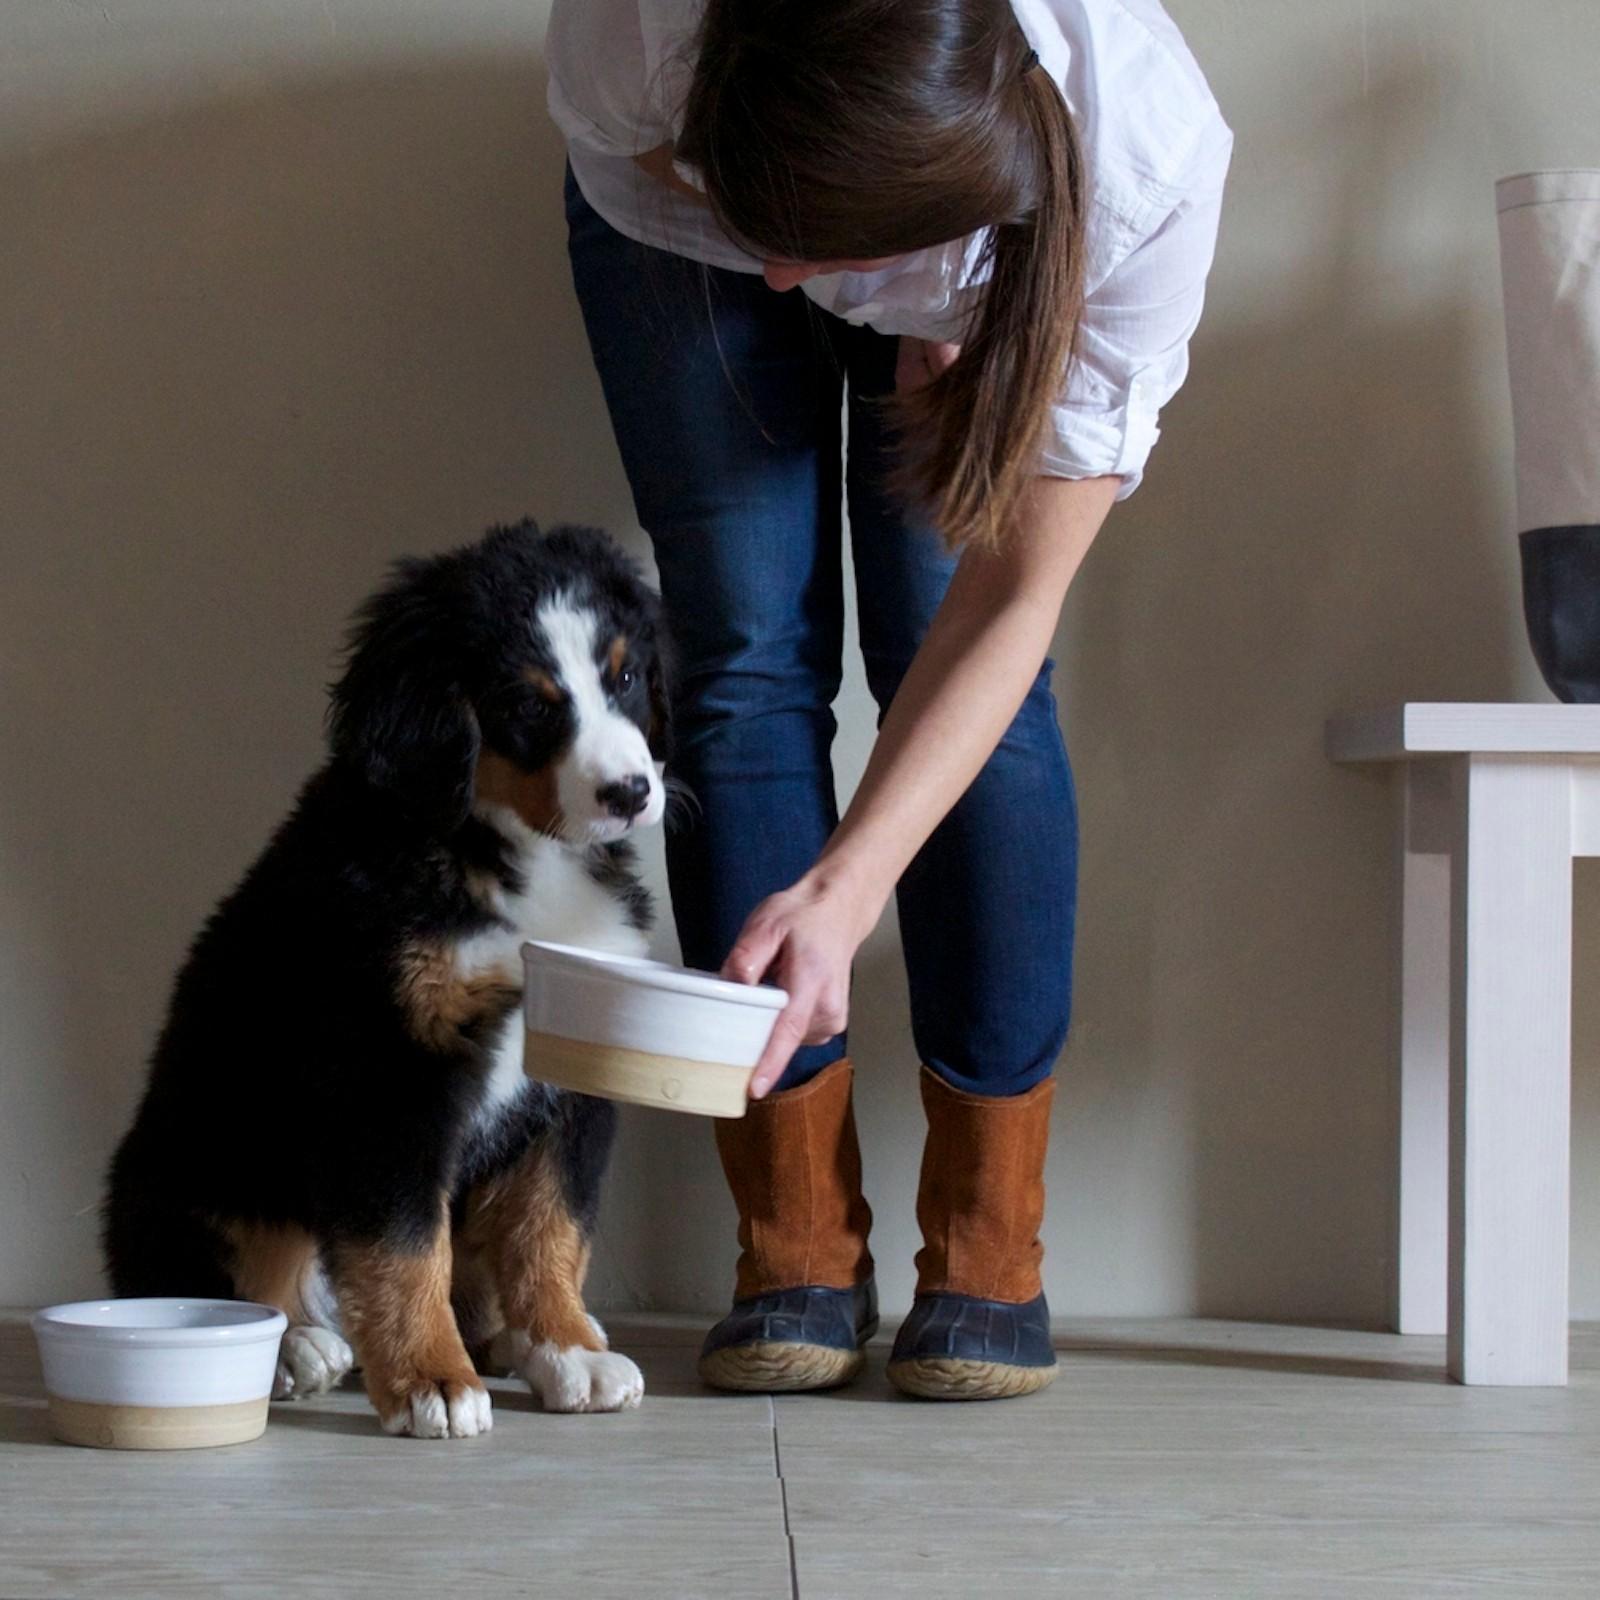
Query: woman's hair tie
(1029, 62)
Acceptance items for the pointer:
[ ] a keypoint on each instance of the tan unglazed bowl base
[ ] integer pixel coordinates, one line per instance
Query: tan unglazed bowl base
(670, 1083)
(110, 1427)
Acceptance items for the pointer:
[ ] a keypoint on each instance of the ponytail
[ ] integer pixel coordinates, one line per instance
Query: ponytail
(832, 129)
(970, 439)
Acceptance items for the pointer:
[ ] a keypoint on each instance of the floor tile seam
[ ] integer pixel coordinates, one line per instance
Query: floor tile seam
(783, 1500)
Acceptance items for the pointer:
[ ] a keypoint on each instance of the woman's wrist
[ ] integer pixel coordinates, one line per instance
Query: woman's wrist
(855, 877)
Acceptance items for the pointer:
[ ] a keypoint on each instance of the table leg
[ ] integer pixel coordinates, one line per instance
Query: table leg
(1425, 824)
(1510, 1067)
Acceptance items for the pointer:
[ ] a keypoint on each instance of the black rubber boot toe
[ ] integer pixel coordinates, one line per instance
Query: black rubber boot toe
(791, 1340)
(955, 1347)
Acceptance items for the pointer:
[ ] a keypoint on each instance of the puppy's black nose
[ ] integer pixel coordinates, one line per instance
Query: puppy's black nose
(627, 797)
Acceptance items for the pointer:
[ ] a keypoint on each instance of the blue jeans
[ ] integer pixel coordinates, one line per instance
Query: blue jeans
(726, 400)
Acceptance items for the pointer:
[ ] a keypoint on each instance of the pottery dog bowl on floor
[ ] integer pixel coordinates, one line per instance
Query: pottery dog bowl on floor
(158, 1374)
(643, 1031)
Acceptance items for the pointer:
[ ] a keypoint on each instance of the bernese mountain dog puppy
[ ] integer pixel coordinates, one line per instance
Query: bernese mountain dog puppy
(337, 1121)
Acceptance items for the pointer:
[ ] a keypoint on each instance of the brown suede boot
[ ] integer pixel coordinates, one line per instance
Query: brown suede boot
(979, 1328)
(804, 1301)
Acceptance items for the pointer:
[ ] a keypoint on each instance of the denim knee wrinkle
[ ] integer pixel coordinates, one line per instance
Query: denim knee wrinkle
(735, 410)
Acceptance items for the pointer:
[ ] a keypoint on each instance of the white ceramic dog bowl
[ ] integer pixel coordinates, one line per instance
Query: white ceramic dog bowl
(643, 1031)
(158, 1374)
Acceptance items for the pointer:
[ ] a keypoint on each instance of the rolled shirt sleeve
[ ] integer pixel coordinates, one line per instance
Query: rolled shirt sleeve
(1133, 348)
(1147, 274)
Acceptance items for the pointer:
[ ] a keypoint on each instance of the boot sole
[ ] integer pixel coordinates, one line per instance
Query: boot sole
(774, 1367)
(943, 1378)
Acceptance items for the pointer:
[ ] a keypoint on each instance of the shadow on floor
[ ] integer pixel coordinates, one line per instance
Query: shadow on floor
(1260, 1361)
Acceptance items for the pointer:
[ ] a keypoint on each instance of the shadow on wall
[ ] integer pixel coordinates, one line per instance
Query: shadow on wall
(255, 349)
(1323, 532)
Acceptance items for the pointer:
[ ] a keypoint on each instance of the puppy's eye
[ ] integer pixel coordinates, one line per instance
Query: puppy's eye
(626, 680)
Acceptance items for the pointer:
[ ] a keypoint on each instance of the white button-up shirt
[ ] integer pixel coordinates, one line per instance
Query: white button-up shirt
(1154, 142)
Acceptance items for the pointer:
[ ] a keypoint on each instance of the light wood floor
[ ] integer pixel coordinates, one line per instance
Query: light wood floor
(1172, 1460)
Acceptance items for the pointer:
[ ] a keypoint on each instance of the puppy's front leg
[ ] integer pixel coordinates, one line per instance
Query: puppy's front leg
(528, 1225)
(394, 1300)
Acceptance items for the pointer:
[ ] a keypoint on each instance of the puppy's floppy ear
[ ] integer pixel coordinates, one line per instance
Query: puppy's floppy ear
(659, 733)
(401, 716)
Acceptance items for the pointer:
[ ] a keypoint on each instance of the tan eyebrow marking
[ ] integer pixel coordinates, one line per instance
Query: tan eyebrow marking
(619, 653)
(544, 685)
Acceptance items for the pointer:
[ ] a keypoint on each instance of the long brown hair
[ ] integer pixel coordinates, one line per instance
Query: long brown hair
(848, 129)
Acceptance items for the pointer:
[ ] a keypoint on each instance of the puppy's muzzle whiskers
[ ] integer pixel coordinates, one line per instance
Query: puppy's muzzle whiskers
(683, 805)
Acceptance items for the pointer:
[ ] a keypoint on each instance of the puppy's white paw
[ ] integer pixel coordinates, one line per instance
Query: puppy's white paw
(574, 1379)
(441, 1411)
(311, 1360)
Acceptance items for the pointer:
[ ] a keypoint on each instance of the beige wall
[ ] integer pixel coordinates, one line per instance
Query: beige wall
(283, 294)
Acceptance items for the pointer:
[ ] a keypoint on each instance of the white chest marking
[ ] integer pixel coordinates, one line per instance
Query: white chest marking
(559, 901)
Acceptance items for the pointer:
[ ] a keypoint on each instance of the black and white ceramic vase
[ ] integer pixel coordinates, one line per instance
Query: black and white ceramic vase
(1550, 269)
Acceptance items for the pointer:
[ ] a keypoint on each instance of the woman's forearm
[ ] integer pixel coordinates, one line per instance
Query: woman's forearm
(965, 684)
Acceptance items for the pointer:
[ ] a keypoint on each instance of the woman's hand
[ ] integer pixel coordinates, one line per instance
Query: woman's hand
(920, 361)
(804, 939)
(658, 163)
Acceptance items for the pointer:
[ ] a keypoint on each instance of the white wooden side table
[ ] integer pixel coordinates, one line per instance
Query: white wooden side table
(1492, 803)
